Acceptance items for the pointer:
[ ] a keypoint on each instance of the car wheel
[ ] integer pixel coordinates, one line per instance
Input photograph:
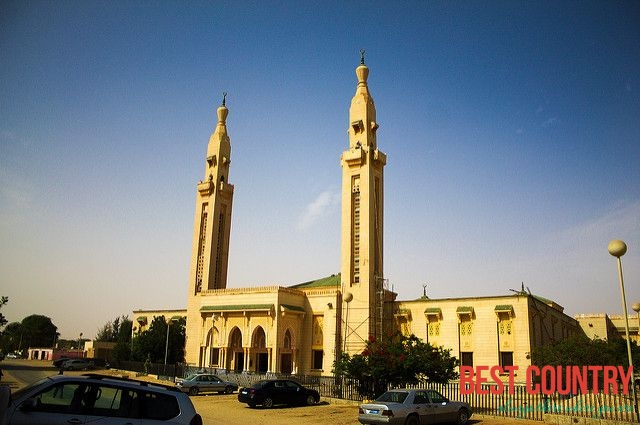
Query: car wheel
(228, 390)
(311, 400)
(268, 403)
(463, 416)
(412, 420)
(194, 391)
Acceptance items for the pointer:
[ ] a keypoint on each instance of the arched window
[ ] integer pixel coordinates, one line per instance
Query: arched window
(259, 338)
(287, 340)
(235, 339)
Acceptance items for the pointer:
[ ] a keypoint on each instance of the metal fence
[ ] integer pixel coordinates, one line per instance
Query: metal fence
(518, 405)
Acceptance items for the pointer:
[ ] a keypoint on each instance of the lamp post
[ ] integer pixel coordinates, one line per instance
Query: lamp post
(636, 308)
(79, 342)
(618, 248)
(348, 297)
(166, 346)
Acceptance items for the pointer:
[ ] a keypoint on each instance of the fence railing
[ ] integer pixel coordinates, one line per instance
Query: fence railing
(519, 405)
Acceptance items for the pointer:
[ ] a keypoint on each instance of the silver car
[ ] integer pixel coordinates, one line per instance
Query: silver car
(205, 382)
(413, 407)
(77, 364)
(97, 399)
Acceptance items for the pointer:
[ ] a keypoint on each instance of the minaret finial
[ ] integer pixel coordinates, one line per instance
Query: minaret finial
(224, 98)
(361, 56)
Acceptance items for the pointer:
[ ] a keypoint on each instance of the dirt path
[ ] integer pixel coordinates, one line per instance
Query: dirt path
(227, 410)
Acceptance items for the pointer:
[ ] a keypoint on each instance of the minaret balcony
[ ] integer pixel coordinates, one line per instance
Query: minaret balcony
(380, 157)
(354, 157)
(205, 188)
(225, 188)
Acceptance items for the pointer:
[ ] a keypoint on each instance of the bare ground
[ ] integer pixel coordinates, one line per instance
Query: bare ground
(223, 409)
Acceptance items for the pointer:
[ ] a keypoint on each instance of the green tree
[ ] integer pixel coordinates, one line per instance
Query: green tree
(38, 331)
(111, 330)
(397, 360)
(11, 337)
(122, 350)
(3, 320)
(579, 350)
(152, 342)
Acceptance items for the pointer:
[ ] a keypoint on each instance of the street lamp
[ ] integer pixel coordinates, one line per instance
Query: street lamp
(618, 248)
(166, 346)
(348, 297)
(636, 308)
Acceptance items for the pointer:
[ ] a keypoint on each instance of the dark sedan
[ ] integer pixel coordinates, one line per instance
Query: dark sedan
(270, 392)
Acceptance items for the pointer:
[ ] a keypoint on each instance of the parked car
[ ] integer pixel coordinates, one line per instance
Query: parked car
(204, 382)
(270, 392)
(60, 361)
(413, 407)
(91, 398)
(77, 364)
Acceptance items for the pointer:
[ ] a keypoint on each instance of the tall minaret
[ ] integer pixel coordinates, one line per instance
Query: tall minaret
(211, 229)
(362, 221)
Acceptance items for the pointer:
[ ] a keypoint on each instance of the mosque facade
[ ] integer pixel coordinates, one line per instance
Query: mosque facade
(301, 329)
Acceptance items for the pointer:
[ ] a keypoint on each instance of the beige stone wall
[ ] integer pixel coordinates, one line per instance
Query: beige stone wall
(285, 315)
(485, 326)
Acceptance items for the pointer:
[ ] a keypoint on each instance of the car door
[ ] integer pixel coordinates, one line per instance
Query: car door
(203, 383)
(112, 405)
(443, 411)
(295, 394)
(216, 384)
(58, 404)
(422, 406)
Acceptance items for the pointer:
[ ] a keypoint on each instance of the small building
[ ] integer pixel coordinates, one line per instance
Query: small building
(40, 353)
(487, 331)
(99, 350)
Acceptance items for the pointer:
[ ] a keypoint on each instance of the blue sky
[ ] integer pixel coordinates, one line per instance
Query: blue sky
(512, 131)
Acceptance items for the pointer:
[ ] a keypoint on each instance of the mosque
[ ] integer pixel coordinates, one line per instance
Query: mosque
(303, 328)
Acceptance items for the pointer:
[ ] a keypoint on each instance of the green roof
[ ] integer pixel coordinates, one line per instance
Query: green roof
(237, 307)
(333, 280)
(292, 307)
(504, 308)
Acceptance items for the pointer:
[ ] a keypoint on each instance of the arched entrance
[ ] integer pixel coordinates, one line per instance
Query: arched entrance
(259, 353)
(210, 352)
(286, 355)
(235, 361)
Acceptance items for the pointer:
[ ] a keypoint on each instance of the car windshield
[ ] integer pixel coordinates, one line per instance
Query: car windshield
(393, 396)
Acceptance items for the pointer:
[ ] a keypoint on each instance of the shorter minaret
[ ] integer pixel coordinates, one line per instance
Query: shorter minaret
(211, 228)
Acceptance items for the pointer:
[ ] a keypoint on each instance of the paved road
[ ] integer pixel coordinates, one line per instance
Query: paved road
(18, 373)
